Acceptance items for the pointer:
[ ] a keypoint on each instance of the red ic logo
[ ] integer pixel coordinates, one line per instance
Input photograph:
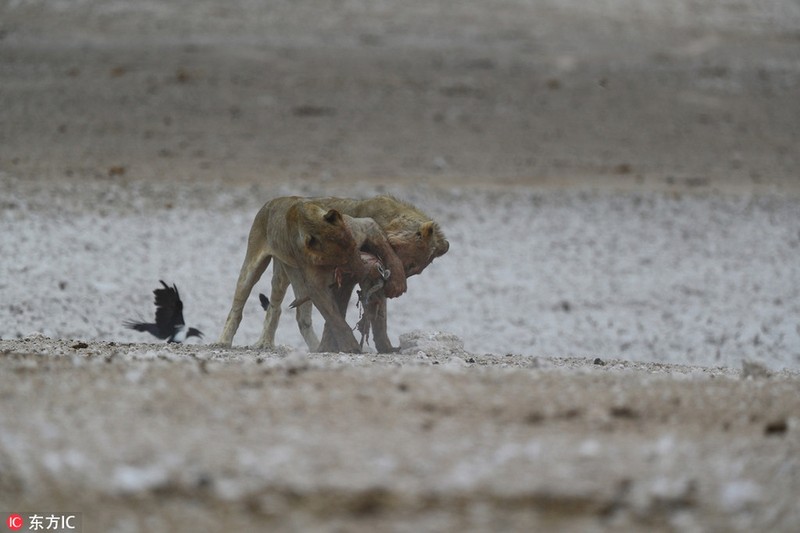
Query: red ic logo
(14, 522)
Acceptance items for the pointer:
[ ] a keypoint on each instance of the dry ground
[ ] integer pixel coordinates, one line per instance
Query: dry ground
(526, 92)
(143, 437)
(679, 96)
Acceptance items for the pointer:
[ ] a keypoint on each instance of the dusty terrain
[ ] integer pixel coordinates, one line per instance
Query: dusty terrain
(143, 437)
(619, 186)
(526, 92)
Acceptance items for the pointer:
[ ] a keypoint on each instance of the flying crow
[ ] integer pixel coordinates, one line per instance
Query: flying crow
(169, 317)
(264, 301)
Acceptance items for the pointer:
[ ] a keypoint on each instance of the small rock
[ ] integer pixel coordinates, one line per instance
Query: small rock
(753, 369)
(623, 411)
(776, 428)
(431, 343)
(421, 357)
(116, 170)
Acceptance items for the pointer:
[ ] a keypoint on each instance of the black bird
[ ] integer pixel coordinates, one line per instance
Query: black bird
(264, 301)
(169, 317)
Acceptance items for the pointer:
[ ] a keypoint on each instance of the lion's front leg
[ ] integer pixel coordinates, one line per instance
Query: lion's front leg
(376, 310)
(342, 295)
(317, 282)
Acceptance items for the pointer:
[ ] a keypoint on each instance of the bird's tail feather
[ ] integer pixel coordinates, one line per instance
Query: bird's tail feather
(141, 326)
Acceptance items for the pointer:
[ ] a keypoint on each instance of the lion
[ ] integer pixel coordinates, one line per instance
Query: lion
(311, 243)
(371, 243)
(415, 239)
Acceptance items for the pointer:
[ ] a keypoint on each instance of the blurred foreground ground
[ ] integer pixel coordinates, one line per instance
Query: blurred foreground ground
(143, 437)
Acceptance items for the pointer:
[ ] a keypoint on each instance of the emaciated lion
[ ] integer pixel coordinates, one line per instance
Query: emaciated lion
(310, 244)
(413, 236)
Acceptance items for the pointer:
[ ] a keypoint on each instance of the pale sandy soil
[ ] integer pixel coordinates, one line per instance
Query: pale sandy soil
(619, 185)
(142, 437)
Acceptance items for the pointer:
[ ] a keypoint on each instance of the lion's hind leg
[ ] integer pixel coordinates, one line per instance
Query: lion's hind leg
(280, 283)
(342, 295)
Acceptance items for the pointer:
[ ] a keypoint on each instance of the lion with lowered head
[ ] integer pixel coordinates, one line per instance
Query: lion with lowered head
(311, 242)
(413, 236)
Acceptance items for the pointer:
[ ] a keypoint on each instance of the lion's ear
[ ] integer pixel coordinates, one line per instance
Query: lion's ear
(333, 216)
(426, 230)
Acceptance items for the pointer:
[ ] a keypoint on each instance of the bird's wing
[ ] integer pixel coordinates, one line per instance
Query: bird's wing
(169, 309)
